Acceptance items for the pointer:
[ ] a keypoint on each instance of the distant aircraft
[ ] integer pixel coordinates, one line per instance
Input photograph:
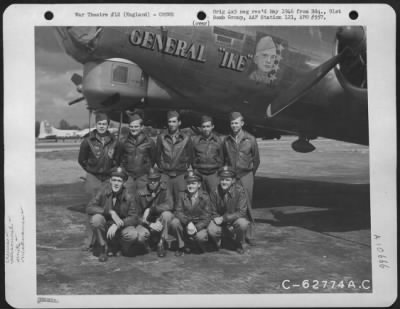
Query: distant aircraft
(304, 80)
(48, 132)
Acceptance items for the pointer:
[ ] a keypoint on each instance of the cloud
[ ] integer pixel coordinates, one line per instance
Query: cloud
(53, 92)
(55, 61)
(52, 104)
(45, 39)
(54, 88)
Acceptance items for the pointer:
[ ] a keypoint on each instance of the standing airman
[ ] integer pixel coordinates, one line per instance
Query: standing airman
(241, 153)
(174, 155)
(208, 154)
(97, 155)
(136, 154)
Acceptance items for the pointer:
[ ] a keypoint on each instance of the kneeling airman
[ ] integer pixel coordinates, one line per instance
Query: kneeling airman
(230, 208)
(193, 214)
(155, 206)
(113, 218)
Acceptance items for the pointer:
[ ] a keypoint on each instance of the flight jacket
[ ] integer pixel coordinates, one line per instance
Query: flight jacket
(97, 158)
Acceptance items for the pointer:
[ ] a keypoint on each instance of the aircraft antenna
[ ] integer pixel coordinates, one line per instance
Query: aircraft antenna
(120, 125)
(90, 116)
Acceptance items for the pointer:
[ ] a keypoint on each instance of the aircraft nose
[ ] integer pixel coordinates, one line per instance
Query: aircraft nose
(84, 35)
(79, 42)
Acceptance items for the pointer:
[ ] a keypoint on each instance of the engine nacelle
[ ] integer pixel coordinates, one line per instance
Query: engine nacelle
(351, 72)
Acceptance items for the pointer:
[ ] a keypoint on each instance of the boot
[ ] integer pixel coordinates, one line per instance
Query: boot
(103, 254)
(180, 251)
(160, 249)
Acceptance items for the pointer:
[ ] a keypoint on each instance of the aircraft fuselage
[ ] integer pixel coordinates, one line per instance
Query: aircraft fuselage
(221, 69)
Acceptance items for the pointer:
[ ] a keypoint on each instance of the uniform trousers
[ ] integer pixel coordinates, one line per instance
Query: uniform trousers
(135, 183)
(123, 238)
(92, 186)
(210, 182)
(236, 230)
(247, 181)
(175, 184)
(200, 238)
(165, 218)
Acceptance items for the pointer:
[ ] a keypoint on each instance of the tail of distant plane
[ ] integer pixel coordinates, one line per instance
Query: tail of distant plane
(46, 130)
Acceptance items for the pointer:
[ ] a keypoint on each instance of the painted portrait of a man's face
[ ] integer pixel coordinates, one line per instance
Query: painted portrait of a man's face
(266, 59)
(265, 54)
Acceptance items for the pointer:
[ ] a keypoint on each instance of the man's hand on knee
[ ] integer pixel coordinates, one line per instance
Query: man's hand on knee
(156, 226)
(191, 229)
(111, 231)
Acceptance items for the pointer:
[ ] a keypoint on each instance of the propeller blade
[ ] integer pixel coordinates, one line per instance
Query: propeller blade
(302, 86)
(76, 100)
(76, 79)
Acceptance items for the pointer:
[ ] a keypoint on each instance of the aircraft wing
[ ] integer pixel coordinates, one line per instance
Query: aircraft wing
(300, 88)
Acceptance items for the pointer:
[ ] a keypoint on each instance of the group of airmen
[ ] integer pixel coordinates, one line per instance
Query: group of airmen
(193, 191)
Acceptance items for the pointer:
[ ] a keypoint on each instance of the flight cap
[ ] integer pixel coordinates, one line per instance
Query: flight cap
(119, 172)
(206, 118)
(235, 115)
(172, 114)
(101, 116)
(265, 43)
(134, 117)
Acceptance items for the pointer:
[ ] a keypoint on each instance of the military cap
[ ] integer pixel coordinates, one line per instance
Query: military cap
(192, 175)
(226, 171)
(101, 116)
(206, 118)
(172, 114)
(265, 43)
(154, 174)
(235, 115)
(119, 172)
(134, 117)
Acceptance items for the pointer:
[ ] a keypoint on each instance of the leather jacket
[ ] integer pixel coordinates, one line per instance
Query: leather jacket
(97, 154)
(124, 205)
(158, 201)
(232, 206)
(174, 158)
(199, 213)
(243, 155)
(208, 154)
(136, 154)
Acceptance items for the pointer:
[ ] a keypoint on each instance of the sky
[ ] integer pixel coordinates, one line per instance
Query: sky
(54, 88)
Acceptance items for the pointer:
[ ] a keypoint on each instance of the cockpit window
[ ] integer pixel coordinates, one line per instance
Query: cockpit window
(120, 74)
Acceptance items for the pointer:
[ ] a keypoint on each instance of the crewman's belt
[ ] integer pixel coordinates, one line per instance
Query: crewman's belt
(174, 174)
